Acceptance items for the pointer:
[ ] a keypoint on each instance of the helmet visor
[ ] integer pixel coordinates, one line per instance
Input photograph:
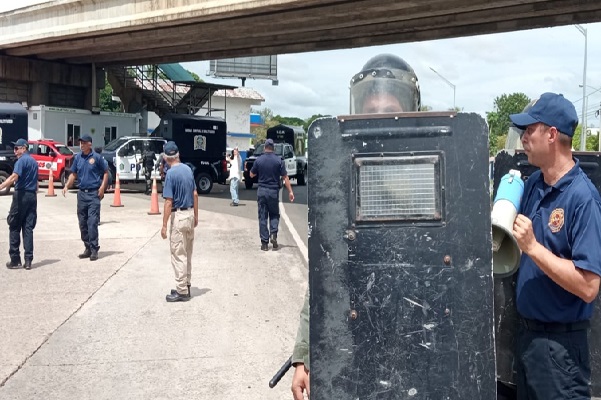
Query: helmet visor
(383, 91)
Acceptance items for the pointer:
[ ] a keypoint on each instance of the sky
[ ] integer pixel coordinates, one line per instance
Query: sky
(481, 68)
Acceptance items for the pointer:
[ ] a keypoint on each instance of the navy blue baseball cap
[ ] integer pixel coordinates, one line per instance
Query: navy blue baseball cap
(550, 109)
(171, 148)
(269, 143)
(21, 143)
(85, 138)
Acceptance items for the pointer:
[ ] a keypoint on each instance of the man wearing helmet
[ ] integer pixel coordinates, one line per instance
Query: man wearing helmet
(386, 84)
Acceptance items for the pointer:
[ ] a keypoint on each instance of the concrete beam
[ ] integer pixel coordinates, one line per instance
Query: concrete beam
(133, 32)
(26, 70)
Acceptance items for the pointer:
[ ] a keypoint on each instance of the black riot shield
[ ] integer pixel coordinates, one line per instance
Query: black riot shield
(400, 258)
(506, 315)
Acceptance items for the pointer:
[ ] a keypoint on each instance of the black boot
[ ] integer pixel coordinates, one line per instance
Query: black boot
(27, 264)
(13, 264)
(274, 240)
(264, 246)
(86, 253)
(173, 297)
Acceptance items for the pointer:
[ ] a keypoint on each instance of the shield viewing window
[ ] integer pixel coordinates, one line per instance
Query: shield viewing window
(398, 188)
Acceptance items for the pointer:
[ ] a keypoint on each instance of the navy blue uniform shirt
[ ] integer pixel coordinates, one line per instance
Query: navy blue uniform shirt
(90, 169)
(566, 219)
(27, 169)
(269, 167)
(180, 186)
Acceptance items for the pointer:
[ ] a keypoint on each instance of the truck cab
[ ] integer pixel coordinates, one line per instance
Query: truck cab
(296, 137)
(284, 150)
(52, 157)
(202, 143)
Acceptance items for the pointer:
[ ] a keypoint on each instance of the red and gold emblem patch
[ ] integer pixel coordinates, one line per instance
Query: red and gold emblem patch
(556, 220)
(91, 161)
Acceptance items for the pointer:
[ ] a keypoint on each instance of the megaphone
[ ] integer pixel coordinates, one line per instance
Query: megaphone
(506, 252)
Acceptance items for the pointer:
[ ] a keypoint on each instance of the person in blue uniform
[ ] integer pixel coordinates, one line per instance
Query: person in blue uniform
(270, 167)
(558, 231)
(23, 213)
(181, 208)
(91, 172)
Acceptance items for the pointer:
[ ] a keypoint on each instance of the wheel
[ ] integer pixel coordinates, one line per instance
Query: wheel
(4, 176)
(300, 178)
(248, 183)
(63, 178)
(204, 183)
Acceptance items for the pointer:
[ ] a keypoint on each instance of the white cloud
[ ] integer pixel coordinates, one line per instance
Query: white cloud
(481, 67)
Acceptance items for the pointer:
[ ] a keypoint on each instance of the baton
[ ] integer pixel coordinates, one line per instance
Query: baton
(280, 374)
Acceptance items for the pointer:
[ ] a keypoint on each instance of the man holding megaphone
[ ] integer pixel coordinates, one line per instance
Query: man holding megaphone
(558, 231)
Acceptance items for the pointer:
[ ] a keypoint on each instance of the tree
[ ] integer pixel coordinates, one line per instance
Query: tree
(425, 107)
(592, 141)
(498, 120)
(106, 99)
(260, 132)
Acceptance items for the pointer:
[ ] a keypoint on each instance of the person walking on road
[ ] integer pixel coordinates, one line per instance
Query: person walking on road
(235, 164)
(270, 168)
(23, 213)
(181, 208)
(558, 280)
(91, 172)
(147, 160)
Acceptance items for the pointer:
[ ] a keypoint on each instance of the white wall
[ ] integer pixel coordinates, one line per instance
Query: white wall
(51, 123)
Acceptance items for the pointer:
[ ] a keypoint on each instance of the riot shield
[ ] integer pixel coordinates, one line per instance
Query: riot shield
(400, 258)
(506, 316)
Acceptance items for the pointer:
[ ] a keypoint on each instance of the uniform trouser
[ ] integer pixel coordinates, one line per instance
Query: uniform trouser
(269, 209)
(88, 214)
(234, 190)
(148, 179)
(22, 217)
(181, 241)
(553, 365)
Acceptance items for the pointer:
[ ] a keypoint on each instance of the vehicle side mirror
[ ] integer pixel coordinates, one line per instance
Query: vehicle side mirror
(52, 154)
(121, 152)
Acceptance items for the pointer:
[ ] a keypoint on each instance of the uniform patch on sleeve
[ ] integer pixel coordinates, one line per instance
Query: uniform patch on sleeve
(556, 220)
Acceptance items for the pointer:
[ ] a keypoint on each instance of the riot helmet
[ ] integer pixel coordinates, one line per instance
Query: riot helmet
(386, 83)
(514, 135)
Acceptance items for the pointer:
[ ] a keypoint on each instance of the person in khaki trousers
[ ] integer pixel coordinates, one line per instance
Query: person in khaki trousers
(181, 208)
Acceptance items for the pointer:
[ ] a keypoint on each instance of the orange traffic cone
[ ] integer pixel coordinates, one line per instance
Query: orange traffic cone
(117, 195)
(154, 199)
(50, 184)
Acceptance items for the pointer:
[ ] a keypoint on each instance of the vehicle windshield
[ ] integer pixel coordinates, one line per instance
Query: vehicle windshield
(279, 149)
(64, 150)
(115, 144)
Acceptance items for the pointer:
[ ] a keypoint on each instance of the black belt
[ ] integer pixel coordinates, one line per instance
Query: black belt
(180, 209)
(89, 190)
(555, 327)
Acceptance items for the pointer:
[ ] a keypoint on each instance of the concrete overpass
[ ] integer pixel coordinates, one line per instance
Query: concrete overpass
(133, 32)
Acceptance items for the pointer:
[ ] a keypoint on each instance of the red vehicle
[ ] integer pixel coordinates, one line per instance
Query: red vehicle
(51, 156)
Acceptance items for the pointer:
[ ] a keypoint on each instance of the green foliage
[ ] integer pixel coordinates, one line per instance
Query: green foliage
(289, 120)
(196, 77)
(592, 141)
(498, 120)
(425, 107)
(106, 99)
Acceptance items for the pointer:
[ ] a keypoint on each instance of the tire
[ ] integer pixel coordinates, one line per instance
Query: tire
(4, 176)
(248, 183)
(300, 178)
(204, 183)
(63, 178)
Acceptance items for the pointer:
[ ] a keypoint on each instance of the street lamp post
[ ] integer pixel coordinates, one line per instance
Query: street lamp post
(583, 130)
(448, 82)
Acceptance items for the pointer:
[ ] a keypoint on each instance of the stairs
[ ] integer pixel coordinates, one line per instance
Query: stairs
(160, 95)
